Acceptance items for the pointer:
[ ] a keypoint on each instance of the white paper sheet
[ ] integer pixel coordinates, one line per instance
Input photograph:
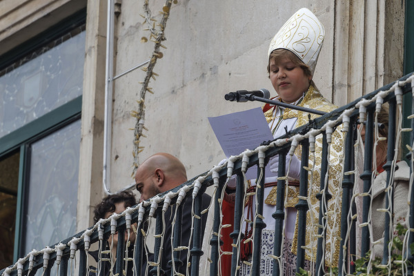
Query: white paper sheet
(243, 130)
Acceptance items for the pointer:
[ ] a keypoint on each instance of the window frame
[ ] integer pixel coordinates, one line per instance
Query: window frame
(23, 137)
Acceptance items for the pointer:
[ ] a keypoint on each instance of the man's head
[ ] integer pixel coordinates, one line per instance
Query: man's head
(159, 173)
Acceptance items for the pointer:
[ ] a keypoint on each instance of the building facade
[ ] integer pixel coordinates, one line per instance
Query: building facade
(53, 60)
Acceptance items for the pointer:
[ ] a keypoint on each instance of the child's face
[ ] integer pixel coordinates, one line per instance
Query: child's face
(288, 79)
(119, 208)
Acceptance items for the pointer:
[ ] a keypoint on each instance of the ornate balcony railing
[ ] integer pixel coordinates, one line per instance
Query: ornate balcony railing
(353, 200)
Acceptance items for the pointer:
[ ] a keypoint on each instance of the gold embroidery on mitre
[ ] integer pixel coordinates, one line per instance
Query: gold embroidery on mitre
(303, 35)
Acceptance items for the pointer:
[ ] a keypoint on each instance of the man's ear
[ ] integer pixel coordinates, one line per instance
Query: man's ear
(159, 177)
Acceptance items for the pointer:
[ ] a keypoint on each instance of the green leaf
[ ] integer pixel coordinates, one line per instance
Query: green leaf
(302, 272)
(334, 270)
(360, 262)
(401, 229)
(397, 243)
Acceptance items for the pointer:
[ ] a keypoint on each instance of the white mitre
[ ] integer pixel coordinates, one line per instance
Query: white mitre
(303, 35)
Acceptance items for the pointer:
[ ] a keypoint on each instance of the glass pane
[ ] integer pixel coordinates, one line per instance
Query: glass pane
(9, 178)
(49, 78)
(53, 188)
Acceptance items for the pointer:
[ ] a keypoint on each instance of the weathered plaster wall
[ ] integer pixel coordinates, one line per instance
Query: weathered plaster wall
(368, 47)
(91, 147)
(215, 47)
(393, 40)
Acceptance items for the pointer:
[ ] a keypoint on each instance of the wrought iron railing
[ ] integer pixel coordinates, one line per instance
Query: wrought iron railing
(63, 255)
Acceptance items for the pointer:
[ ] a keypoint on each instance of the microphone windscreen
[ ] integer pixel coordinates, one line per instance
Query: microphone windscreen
(266, 93)
(230, 96)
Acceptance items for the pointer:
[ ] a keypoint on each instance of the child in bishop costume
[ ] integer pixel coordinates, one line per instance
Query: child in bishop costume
(292, 56)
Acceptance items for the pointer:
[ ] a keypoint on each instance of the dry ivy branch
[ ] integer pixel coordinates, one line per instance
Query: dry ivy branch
(156, 36)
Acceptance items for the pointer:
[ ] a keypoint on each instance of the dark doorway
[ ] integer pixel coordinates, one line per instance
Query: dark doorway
(9, 179)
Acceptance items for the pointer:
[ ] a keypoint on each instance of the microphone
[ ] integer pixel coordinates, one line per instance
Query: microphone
(244, 96)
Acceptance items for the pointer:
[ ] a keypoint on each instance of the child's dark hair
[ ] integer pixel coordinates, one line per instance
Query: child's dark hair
(108, 204)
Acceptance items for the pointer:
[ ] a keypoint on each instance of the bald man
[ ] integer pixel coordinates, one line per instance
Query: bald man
(160, 173)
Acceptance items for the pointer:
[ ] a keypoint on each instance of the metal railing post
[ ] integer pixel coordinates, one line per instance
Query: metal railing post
(238, 212)
(260, 224)
(347, 186)
(157, 243)
(214, 242)
(139, 248)
(33, 272)
(302, 205)
(120, 248)
(63, 269)
(177, 240)
(387, 167)
(48, 268)
(366, 177)
(196, 251)
(320, 261)
(352, 242)
(102, 269)
(279, 214)
(82, 262)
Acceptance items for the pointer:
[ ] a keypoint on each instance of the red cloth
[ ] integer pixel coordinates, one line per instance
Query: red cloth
(228, 218)
(380, 169)
(267, 106)
(246, 249)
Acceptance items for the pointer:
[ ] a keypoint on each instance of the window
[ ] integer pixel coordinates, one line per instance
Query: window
(40, 110)
(52, 188)
(39, 83)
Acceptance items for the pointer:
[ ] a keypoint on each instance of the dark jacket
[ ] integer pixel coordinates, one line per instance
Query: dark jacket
(166, 264)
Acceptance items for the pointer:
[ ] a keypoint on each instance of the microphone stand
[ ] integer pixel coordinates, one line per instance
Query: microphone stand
(304, 109)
